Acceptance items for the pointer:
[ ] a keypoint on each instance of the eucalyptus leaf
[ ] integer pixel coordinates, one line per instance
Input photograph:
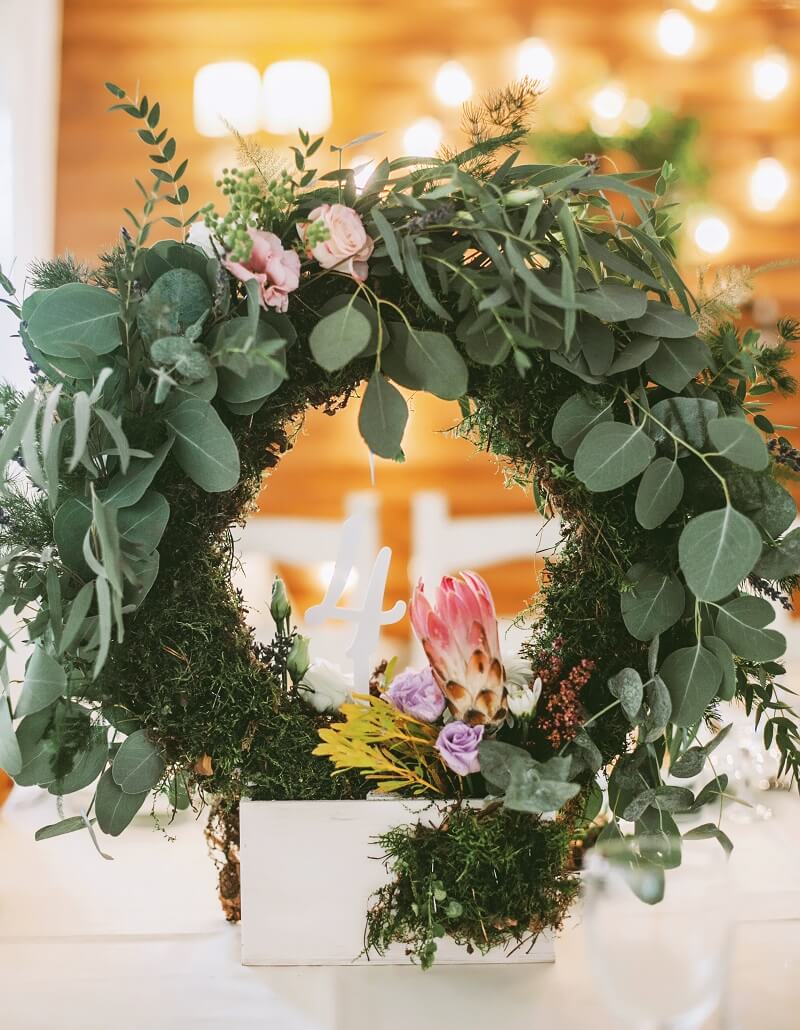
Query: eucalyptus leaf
(659, 494)
(115, 809)
(724, 655)
(382, 417)
(339, 337)
(432, 361)
(142, 525)
(781, 561)
(10, 754)
(654, 602)
(741, 624)
(76, 315)
(717, 550)
(45, 680)
(634, 354)
(612, 454)
(692, 676)
(87, 765)
(658, 708)
(710, 831)
(613, 302)
(683, 418)
(69, 825)
(677, 362)
(138, 766)
(576, 416)
(204, 447)
(627, 686)
(127, 488)
(739, 441)
(664, 321)
(174, 303)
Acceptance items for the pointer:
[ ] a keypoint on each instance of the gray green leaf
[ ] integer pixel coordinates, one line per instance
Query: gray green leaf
(138, 766)
(716, 551)
(692, 676)
(659, 494)
(204, 447)
(612, 454)
(382, 417)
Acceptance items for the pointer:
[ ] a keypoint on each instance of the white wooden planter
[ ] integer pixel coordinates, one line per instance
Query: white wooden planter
(308, 869)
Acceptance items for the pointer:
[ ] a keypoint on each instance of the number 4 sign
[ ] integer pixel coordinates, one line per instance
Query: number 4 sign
(370, 617)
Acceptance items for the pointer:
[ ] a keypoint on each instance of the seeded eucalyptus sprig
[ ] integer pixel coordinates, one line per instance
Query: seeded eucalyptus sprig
(165, 172)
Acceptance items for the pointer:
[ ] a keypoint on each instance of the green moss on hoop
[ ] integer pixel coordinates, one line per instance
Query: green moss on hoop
(487, 878)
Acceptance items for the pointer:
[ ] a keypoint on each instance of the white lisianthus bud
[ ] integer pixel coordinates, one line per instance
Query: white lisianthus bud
(325, 687)
(522, 700)
(200, 236)
(523, 693)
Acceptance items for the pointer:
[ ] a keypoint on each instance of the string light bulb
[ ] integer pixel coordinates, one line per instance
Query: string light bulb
(675, 33)
(704, 5)
(227, 93)
(769, 182)
(609, 102)
(296, 95)
(423, 138)
(537, 61)
(453, 85)
(770, 75)
(712, 234)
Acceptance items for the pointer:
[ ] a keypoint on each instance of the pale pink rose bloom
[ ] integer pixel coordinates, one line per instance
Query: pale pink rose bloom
(460, 638)
(276, 270)
(348, 246)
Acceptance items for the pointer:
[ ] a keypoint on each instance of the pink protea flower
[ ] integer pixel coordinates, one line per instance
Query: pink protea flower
(276, 270)
(460, 638)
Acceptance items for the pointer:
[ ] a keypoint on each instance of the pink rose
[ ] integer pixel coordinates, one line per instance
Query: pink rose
(347, 246)
(276, 270)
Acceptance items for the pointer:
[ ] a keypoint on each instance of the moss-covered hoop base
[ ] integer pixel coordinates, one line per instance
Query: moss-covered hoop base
(190, 671)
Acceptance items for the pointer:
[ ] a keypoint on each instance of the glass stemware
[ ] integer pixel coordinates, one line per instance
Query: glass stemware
(658, 944)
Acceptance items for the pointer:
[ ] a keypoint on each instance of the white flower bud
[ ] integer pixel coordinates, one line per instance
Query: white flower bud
(325, 687)
(523, 693)
(200, 236)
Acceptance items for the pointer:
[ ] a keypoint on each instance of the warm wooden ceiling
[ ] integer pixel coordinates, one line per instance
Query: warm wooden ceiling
(382, 57)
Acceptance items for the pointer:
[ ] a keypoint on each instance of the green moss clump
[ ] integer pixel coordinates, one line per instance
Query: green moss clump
(487, 878)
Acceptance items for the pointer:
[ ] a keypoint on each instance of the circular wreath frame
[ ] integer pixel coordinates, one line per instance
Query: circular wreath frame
(557, 388)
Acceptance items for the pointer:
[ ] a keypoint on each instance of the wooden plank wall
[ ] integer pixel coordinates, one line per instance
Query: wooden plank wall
(382, 57)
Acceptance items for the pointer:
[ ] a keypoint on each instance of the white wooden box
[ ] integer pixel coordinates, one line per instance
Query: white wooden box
(308, 869)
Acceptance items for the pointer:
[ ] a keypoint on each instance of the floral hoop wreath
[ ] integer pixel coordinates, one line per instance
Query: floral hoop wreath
(170, 377)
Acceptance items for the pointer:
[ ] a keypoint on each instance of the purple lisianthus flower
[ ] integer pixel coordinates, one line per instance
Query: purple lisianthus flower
(458, 745)
(416, 693)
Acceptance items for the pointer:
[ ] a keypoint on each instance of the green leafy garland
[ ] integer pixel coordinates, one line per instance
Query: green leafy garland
(164, 390)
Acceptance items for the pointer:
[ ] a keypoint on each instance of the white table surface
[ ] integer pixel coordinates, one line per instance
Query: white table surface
(140, 943)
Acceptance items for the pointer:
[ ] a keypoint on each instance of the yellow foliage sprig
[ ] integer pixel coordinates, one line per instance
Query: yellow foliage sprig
(386, 746)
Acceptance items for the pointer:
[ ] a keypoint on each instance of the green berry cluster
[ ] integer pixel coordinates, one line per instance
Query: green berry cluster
(316, 232)
(252, 204)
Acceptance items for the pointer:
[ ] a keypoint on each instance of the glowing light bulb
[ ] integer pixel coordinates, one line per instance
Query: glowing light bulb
(226, 92)
(768, 183)
(770, 75)
(452, 84)
(536, 60)
(675, 33)
(609, 102)
(423, 138)
(637, 112)
(704, 5)
(296, 95)
(363, 168)
(712, 234)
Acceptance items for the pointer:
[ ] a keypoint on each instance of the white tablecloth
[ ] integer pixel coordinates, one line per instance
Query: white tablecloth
(139, 944)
